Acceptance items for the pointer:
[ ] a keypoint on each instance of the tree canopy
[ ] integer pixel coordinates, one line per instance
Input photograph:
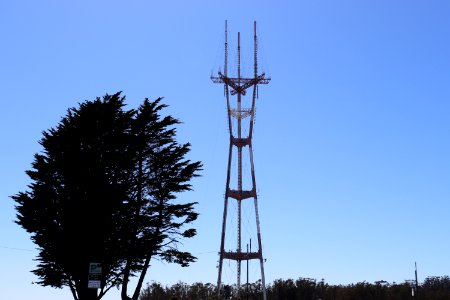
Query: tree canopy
(104, 190)
(433, 288)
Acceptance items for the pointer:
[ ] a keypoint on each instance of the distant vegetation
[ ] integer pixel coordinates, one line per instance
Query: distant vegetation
(433, 288)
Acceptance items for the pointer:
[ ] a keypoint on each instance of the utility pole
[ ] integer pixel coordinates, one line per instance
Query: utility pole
(417, 282)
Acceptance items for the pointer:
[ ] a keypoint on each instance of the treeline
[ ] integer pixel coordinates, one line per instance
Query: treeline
(433, 288)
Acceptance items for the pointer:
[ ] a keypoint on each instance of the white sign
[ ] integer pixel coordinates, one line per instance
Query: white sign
(94, 284)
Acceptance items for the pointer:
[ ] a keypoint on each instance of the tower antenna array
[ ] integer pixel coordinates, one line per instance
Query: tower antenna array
(238, 86)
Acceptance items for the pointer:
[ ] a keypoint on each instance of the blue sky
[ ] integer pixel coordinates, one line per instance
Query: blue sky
(351, 139)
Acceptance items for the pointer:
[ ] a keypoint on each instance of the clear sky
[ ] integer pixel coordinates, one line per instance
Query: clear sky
(352, 136)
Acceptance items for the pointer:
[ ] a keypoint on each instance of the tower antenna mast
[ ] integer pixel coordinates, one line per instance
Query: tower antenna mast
(237, 117)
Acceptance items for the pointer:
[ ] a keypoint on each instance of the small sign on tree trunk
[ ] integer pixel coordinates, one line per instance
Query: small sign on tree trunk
(95, 275)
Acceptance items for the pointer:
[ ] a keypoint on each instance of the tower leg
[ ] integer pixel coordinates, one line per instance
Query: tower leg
(224, 222)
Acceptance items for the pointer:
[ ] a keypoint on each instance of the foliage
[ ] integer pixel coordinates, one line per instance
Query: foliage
(103, 190)
(433, 288)
(180, 290)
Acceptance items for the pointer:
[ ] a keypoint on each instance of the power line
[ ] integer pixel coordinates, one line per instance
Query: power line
(17, 249)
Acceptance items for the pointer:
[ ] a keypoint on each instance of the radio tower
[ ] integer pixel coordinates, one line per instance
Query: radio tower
(237, 117)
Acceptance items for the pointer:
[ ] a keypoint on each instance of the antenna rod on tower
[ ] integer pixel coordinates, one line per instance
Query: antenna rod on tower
(239, 183)
(225, 71)
(239, 57)
(255, 47)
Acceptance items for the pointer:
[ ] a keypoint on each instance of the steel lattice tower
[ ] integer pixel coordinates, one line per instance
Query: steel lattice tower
(238, 86)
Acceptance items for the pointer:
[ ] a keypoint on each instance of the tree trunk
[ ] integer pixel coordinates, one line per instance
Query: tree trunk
(138, 288)
(87, 294)
(126, 278)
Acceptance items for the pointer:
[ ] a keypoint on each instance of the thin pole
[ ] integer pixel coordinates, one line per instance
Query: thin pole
(239, 168)
(225, 71)
(246, 288)
(230, 156)
(255, 50)
(417, 283)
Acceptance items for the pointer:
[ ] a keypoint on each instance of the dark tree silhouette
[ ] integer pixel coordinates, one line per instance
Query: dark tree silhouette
(103, 190)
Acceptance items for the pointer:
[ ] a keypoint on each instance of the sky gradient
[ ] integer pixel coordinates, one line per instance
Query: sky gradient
(351, 138)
